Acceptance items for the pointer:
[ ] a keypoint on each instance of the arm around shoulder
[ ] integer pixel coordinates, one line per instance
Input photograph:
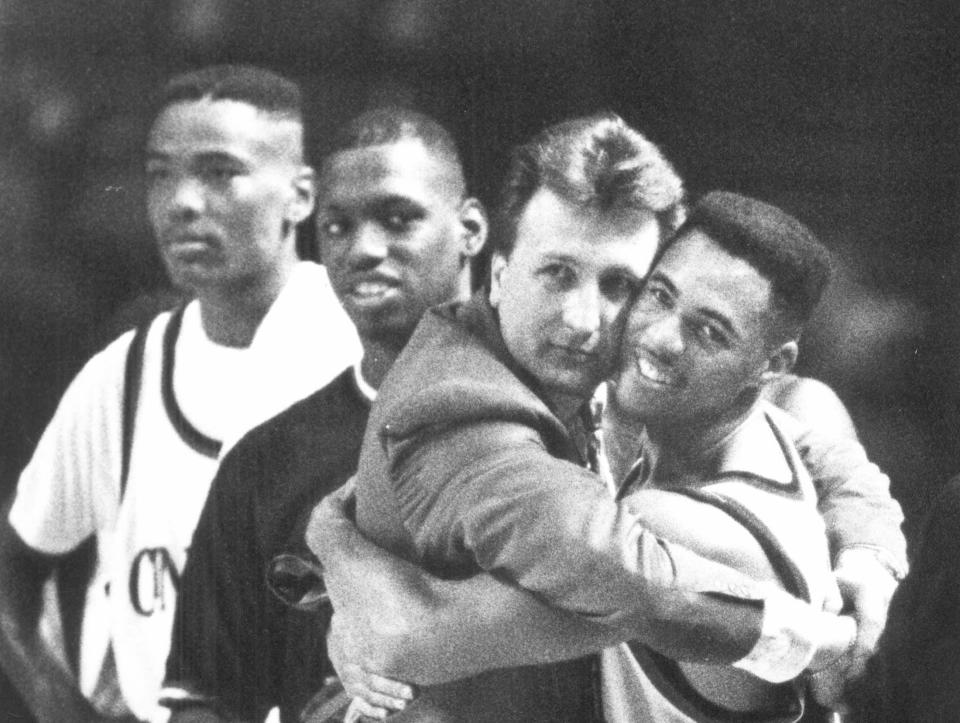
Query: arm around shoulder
(549, 526)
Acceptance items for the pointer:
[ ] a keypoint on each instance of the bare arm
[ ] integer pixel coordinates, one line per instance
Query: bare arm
(49, 690)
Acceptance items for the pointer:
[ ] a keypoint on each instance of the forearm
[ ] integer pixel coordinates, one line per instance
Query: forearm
(46, 686)
(545, 525)
(404, 623)
(411, 620)
(854, 497)
(47, 689)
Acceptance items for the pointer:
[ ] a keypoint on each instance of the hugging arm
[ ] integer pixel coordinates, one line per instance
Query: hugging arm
(425, 630)
(608, 604)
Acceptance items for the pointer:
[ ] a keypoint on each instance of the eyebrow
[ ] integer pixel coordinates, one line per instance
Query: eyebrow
(379, 204)
(574, 261)
(660, 278)
(709, 313)
(203, 157)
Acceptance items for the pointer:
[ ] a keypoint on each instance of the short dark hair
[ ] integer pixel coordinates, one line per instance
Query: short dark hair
(596, 161)
(263, 89)
(392, 124)
(779, 246)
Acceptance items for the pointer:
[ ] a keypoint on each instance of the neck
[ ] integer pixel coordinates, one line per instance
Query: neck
(621, 436)
(231, 316)
(681, 445)
(566, 407)
(464, 288)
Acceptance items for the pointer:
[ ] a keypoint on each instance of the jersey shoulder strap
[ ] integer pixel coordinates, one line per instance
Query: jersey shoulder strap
(131, 396)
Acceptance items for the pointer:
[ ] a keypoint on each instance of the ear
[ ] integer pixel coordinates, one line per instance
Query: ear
(498, 264)
(303, 195)
(781, 361)
(473, 220)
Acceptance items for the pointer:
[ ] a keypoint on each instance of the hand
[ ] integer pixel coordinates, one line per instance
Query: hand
(866, 587)
(831, 666)
(374, 696)
(333, 512)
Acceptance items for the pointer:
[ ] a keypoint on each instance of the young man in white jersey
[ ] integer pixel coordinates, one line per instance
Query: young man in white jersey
(131, 451)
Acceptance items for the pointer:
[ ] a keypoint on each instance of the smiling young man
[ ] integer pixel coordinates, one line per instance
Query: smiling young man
(130, 453)
(397, 232)
(718, 320)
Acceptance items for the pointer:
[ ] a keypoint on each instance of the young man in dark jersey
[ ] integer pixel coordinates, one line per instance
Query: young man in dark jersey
(397, 232)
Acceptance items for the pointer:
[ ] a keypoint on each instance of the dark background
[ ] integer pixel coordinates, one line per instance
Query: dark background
(844, 113)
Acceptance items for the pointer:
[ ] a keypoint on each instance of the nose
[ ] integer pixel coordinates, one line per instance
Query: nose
(664, 336)
(584, 311)
(186, 198)
(369, 246)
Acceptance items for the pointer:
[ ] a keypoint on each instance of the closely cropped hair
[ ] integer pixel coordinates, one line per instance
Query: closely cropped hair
(775, 243)
(263, 89)
(594, 162)
(386, 125)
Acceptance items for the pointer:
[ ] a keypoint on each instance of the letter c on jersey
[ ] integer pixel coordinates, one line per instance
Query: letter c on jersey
(150, 572)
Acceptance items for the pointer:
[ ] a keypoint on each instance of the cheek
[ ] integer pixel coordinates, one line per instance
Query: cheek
(157, 202)
(440, 251)
(257, 203)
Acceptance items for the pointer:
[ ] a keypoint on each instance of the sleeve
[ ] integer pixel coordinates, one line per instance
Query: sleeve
(70, 487)
(226, 644)
(492, 489)
(853, 495)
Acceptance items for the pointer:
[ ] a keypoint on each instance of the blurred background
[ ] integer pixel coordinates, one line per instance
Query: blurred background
(844, 113)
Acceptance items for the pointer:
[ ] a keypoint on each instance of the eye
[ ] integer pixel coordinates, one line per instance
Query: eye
(712, 335)
(333, 227)
(398, 221)
(156, 172)
(656, 295)
(219, 174)
(559, 276)
(618, 287)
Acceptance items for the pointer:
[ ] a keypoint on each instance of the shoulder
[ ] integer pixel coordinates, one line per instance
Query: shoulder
(103, 373)
(310, 284)
(450, 375)
(811, 402)
(315, 434)
(337, 404)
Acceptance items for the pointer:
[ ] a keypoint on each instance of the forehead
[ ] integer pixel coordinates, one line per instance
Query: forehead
(550, 226)
(205, 126)
(708, 277)
(406, 169)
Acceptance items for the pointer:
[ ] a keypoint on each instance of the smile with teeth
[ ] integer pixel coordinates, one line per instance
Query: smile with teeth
(653, 372)
(371, 289)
